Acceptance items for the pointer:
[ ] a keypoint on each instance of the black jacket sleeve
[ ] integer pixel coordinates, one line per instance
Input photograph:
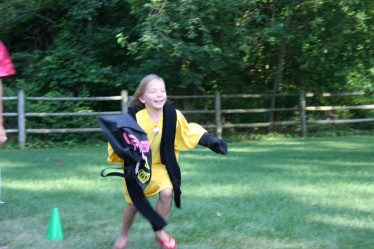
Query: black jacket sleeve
(215, 144)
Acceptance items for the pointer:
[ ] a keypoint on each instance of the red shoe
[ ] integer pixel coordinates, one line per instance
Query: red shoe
(168, 243)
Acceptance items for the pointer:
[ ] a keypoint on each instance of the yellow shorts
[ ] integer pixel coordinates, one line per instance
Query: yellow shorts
(159, 181)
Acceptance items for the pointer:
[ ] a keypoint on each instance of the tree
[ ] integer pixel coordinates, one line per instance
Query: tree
(97, 47)
(200, 45)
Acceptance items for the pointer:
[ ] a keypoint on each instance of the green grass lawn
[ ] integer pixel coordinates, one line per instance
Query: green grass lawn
(290, 193)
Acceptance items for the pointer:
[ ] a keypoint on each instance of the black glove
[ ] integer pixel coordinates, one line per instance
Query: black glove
(215, 144)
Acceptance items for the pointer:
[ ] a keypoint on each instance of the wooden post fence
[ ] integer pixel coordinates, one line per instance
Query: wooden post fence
(218, 119)
(21, 120)
(303, 118)
(219, 125)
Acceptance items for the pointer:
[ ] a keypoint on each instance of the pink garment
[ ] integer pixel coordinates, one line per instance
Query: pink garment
(6, 64)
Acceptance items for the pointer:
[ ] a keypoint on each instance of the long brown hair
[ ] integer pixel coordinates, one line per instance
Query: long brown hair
(135, 102)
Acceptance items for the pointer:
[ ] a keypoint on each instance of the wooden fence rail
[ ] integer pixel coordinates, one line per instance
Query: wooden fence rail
(218, 125)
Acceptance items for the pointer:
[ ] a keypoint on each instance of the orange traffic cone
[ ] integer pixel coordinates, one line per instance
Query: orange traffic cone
(55, 231)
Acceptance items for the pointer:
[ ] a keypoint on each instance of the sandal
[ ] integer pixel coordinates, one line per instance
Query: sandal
(168, 243)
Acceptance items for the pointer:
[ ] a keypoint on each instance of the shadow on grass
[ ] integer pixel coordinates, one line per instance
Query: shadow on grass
(314, 193)
(297, 194)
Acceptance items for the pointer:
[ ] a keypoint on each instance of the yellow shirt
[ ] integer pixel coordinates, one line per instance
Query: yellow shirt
(186, 138)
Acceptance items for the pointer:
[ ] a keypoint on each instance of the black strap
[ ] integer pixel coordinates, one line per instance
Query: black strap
(128, 172)
(143, 206)
(167, 150)
(140, 201)
(137, 196)
(102, 173)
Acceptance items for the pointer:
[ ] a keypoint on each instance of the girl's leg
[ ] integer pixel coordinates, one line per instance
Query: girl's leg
(163, 207)
(129, 213)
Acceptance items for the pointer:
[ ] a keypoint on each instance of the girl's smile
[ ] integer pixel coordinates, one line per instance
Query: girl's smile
(154, 96)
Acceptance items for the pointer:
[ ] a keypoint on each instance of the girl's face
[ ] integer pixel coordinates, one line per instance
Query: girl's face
(154, 96)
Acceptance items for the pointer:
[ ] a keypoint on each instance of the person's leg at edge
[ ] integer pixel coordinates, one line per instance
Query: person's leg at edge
(163, 207)
(129, 213)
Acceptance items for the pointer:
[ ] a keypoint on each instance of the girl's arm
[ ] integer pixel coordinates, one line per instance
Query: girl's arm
(112, 156)
(189, 135)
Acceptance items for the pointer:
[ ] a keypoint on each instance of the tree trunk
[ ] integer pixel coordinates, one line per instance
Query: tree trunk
(280, 68)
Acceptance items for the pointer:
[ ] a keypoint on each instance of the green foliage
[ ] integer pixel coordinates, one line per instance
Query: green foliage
(97, 47)
(197, 46)
(201, 55)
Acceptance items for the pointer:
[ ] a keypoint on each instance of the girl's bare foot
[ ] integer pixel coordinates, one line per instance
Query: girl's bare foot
(121, 242)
